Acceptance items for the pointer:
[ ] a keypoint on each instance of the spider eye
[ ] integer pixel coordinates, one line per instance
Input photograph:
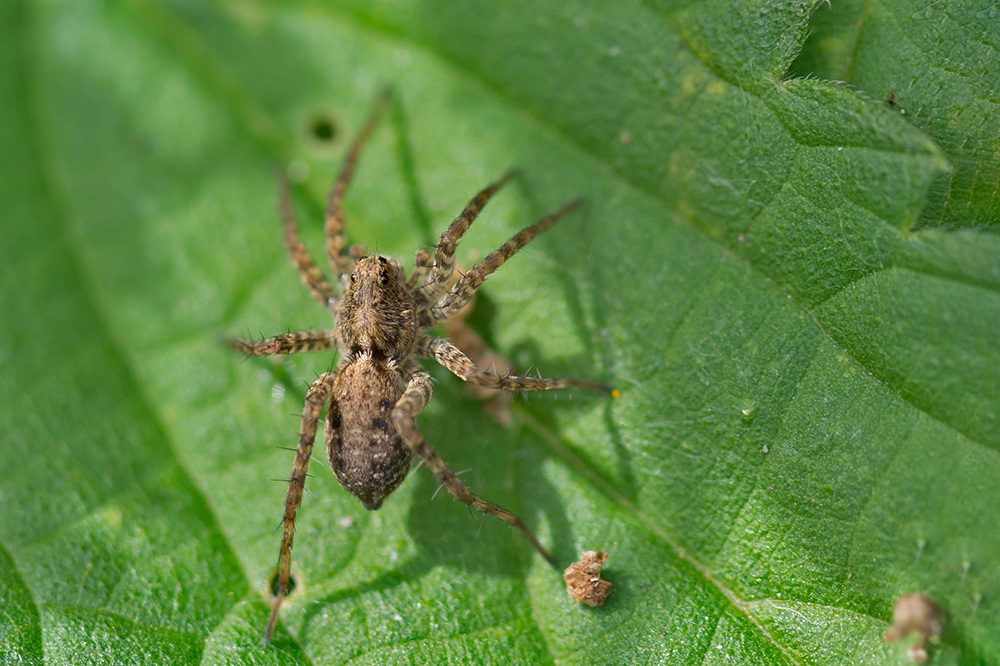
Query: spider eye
(384, 279)
(354, 277)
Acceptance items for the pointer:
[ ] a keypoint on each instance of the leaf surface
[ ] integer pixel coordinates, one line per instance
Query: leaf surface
(793, 285)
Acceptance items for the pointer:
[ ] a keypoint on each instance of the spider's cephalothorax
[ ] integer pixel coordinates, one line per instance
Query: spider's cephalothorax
(377, 314)
(379, 387)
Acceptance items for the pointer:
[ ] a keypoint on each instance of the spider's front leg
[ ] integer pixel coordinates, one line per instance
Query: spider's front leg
(316, 397)
(418, 393)
(312, 277)
(463, 290)
(444, 254)
(421, 269)
(336, 243)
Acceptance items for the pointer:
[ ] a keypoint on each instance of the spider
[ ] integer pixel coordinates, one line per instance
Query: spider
(379, 388)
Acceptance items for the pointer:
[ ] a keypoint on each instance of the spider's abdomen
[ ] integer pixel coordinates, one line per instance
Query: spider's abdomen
(366, 453)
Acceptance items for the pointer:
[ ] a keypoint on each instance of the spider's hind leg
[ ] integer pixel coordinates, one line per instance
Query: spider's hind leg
(316, 397)
(414, 399)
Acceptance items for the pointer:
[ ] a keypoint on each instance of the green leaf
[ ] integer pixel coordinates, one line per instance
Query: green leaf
(939, 65)
(793, 284)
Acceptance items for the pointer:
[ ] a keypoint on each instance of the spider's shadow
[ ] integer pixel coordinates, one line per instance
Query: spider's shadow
(575, 250)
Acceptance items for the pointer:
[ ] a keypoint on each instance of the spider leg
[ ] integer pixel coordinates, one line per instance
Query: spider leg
(463, 290)
(421, 268)
(414, 399)
(444, 255)
(312, 277)
(472, 345)
(290, 343)
(452, 358)
(317, 396)
(357, 252)
(336, 243)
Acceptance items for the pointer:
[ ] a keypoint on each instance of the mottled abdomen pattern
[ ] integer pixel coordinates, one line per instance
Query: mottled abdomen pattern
(366, 453)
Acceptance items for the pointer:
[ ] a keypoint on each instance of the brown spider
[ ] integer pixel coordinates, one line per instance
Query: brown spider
(379, 388)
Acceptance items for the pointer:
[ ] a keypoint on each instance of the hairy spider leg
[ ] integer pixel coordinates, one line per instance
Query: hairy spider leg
(416, 396)
(316, 397)
(444, 255)
(456, 362)
(312, 276)
(290, 343)
(336, 243)
(466, 287)
(422, 265)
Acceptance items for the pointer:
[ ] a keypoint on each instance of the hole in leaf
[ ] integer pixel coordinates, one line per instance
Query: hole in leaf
(273, 584)
(322, 128)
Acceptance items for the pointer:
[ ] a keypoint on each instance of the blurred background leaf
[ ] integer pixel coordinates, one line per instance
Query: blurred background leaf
(792, 282)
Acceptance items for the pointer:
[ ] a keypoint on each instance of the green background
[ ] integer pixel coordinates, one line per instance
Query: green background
(792, 282)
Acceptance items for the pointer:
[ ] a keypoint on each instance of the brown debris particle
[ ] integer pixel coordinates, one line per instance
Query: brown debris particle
(583, 579)
(918, 617)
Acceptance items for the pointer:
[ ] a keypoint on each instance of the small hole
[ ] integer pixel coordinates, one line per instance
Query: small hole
(323, 129)
(274, 584)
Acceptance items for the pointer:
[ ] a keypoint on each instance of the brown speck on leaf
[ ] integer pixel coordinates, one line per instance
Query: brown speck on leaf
(583, 579)
(919, 618)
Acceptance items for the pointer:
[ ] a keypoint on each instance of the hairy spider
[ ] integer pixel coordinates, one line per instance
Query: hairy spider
(379, 388)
